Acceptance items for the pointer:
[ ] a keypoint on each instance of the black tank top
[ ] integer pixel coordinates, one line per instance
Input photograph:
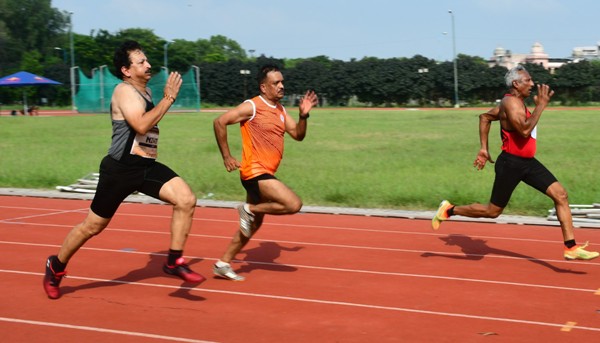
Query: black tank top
(131, 148)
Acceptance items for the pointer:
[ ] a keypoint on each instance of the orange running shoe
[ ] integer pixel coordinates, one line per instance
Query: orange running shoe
(441, 215)
(579, 253)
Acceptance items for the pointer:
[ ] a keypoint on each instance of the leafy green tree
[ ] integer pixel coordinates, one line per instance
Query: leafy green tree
(375, 79)
(573, 80)
(308, 74)
(29, 29)
(594, 89)
(182, 55)
(443, 75)
(337, 84)
(493, 86)
(472, 71)
(420, 79)
(220, 48)
(222, 84)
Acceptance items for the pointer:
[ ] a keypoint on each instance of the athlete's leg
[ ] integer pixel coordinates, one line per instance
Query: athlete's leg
(276, 199)
(478, 210)
(81, 233)
(559, 195)
(111, 190)
(179, 194)
(239, 241)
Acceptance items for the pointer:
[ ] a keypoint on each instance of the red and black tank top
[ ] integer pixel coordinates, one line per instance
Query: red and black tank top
(515, 144)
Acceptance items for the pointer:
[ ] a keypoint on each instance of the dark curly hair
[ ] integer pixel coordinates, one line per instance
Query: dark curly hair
(262, 74)
(121, 57)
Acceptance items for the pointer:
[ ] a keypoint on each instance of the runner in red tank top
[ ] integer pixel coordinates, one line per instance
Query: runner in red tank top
(516, 144)
(517, 163)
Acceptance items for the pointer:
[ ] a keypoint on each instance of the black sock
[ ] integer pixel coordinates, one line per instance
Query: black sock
(450, 211)
(173, 256)
(570, 243)
(57, 266)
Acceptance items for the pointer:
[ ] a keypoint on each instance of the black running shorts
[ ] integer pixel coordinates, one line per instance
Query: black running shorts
(117, 181)
(511, 169)
(251, 186)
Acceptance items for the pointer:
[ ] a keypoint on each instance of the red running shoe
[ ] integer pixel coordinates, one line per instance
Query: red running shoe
(52, 279)
(182, 270)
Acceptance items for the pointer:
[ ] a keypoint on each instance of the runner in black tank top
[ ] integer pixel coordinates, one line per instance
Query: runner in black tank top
(131, 166)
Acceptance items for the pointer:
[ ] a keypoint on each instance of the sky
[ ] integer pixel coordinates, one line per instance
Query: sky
(347, 29)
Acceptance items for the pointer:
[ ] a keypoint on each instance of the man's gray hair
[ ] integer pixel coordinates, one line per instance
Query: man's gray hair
(513, 75)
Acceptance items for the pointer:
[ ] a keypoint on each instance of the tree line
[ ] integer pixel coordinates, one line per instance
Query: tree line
(36, 37)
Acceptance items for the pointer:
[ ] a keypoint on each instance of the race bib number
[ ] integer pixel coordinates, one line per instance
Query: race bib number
(146, 145)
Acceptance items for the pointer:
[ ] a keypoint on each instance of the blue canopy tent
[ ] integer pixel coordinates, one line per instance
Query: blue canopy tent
(24, 78)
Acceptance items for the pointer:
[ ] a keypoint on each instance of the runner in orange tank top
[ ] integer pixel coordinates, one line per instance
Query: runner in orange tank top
(262, 139)
(517, 163)
(263, 122)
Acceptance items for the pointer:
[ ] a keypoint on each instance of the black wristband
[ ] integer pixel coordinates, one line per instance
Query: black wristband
(305, 117)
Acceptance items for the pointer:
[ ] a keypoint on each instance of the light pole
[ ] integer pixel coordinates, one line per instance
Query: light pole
(72, 70)
(102, 87)
(166, 61)
(197, 69)
(245, 73)
(454, 58)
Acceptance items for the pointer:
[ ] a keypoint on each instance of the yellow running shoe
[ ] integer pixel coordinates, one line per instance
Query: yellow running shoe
(441, 215)
(579, 253)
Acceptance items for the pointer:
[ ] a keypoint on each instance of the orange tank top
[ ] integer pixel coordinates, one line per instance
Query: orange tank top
(262, 139)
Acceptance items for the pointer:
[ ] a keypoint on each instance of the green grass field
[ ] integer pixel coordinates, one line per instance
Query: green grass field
(351, 157)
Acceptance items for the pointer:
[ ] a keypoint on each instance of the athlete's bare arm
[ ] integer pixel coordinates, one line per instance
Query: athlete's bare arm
(242, 112)
(128, 104)
(516, 115)
(485, 122)
(297, 130)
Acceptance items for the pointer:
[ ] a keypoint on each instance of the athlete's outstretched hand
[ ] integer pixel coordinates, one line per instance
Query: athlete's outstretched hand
(308, 101)
(173, 85)
(482, 158)
(544, 93)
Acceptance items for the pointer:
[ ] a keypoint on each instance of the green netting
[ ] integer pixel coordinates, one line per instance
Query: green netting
(94, 94)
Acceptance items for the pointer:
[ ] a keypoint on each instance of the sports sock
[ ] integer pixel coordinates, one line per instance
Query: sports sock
(450, 211)
(247, 209)
(173, 256)
(570, 243)
(57, 266)
(220, 264)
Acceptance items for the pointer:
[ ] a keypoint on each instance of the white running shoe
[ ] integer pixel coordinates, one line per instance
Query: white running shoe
(246, 221)
(227, 273)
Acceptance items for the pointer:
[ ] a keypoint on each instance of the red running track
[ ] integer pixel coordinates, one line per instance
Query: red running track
(310, 278)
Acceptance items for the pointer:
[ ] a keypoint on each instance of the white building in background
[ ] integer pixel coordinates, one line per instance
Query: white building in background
(586, 52)
(537, 55)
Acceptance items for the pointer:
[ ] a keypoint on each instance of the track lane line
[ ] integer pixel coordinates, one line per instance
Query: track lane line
(342, 270)
(333, 303)
(103, 330)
